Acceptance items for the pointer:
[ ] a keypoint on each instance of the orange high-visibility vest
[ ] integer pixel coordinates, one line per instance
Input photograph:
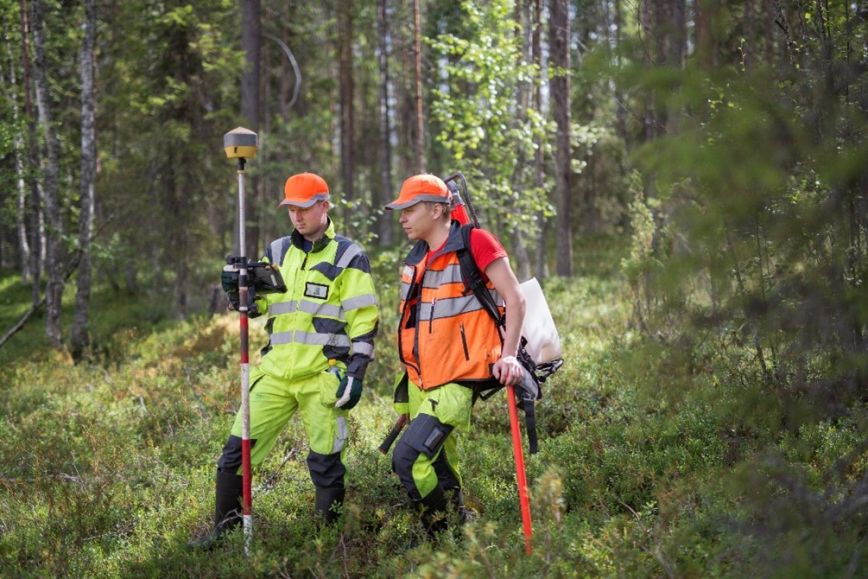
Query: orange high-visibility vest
(445, 335)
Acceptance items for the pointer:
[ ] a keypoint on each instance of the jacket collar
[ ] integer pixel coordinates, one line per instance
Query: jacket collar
(319, 244)
(454, 242)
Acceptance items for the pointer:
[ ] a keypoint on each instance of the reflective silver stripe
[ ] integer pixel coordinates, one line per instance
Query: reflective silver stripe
(341, 435)
(308, 307)
(275, 250)
(320, 308)
(363, 348)
(434, 279)
(312, 338)
(281, 308)
(448, 307)
(359, 302)
(405, 289)
(278, 338)
(339, 340)
(352, 251)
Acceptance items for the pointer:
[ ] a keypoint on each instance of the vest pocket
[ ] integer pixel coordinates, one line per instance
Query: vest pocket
(464, 341)
(330, 380)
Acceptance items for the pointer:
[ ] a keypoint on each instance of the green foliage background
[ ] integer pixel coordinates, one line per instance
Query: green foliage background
(710, 419)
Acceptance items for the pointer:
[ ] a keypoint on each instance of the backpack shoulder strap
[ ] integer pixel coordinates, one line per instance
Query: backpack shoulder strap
(472, 277)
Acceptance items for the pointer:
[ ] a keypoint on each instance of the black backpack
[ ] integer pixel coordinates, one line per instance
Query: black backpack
(527, 392)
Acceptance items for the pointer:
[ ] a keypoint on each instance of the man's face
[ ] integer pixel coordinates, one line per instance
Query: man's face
(417, 220)
(309, 220)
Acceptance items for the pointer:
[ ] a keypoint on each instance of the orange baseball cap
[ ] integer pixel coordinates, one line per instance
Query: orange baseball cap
(420, 188)
(304, 189)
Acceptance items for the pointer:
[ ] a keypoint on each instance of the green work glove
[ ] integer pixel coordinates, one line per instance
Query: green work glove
(349, 392)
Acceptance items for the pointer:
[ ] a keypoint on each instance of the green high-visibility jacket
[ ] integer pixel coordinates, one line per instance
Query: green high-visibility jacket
(329, 310)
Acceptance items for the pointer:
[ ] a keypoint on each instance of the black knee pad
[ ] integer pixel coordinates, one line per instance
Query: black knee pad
(425, 435)
(326, 470)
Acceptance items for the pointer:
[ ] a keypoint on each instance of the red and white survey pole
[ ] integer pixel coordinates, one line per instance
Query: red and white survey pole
(520, 476)
(241, 144)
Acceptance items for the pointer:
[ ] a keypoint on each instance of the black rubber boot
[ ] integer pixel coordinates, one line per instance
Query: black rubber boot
(464, 513)
(227, 510)
(456, 503)
(329, 503)
(434, 512)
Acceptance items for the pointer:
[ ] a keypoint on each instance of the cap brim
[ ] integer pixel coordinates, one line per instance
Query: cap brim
(398, 204)
(305, 203)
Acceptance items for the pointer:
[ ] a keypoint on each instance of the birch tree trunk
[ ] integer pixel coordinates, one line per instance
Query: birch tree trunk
(18, 154)
(79, 338)
(50, 190)
(37, 246)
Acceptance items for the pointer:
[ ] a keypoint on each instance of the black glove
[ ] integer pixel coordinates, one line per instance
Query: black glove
(229, 280)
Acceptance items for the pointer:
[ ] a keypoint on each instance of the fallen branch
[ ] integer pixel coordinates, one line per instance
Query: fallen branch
(20, 323)
(36, 307)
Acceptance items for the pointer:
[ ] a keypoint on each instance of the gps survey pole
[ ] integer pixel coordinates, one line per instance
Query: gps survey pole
(241, 143)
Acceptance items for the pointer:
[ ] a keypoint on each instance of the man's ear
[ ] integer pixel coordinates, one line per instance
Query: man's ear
(326, 205)
(438, 211)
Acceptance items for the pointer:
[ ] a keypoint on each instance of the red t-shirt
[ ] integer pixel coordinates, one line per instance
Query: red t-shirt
(483, 245)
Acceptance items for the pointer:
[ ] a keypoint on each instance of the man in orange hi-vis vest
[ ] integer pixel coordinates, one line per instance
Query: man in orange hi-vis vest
(447, 342)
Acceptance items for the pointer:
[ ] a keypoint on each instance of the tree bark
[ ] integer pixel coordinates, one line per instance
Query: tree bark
(704, 37)
(79, 338)
(264, 182)
(251, 44)
(621, 114)
(405, 126)
(539, 169)
(523, 19)
(559, 35)
(384, 222)
(345, 73)
(18, 154)
(50, 169)
(420, 112)
(37, 247)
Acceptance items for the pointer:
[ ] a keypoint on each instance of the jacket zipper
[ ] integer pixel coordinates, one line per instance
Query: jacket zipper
(418, 327)
(464, 341)
(431, 315)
